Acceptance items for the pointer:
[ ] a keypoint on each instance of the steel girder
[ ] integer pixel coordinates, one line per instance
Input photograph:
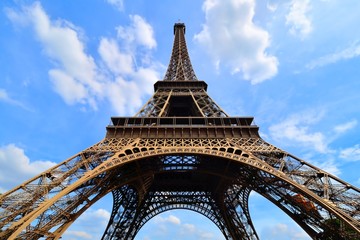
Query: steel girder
(158, 104)
(162, 160)
(206, 195)
(180, 68)
(322, 204)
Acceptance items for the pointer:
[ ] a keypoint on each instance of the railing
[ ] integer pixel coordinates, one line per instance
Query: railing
(181, 121)
(182, 127)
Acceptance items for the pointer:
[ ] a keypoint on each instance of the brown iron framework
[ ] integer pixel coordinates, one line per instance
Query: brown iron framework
(181, 151)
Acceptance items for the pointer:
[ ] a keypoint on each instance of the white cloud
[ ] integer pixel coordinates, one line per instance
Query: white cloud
(296, 129)
(169, 219)
(72, 235)
(101, 215)
(124, 93)
(330, 167)
(15, 17)
(174, 220)
(326, 163)
(140, 32)
(348, 53)
(121, 92)
(119, 4)
(117, 62)
(16, 167)
(4, 97)
(342, 128)
(298, 19)
(76, 76)
(284, 232)
(189, 228)
(71, 90)
(351, 153)
(164, 225)
(131, 81)
(206, 235)
(62, 44)
(231, 36)
(89, 225)
(271, 7)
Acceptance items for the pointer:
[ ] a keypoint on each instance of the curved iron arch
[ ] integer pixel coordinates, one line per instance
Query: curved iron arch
(118, 159)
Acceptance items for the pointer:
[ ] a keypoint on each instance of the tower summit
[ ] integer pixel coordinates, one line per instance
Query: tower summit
(180, 68)
(180, 93)
(181, 151)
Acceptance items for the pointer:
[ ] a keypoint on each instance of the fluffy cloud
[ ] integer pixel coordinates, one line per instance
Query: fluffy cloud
(191, 230)
(351, 153)
(231, 36)
(73, 235)
(342, 128)
(116, 61)
(272, 7)
(121, 91)
(16, 167)
(119, 4)
(90, 225)
(164, 225)
(101, 215)
(296, 129)
(130, 80)
(350, 52)
(298, 20)
(66, 86)
(77, 78)
(284, 232)
(4, 97)
(169, 219)
(326, 162)
(139, 33)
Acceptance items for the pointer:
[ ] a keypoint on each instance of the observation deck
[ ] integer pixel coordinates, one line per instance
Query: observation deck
(182, 127)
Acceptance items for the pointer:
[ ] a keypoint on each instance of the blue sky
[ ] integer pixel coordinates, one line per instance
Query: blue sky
(68, 66)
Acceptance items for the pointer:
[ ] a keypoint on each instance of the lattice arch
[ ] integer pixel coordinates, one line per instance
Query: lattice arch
(278, 186)
(181, 144)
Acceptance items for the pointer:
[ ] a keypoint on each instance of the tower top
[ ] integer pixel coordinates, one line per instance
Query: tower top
(180, 68)
(180, 26)
(180, 94)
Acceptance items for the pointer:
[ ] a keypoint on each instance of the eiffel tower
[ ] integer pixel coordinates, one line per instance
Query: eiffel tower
(181, 151)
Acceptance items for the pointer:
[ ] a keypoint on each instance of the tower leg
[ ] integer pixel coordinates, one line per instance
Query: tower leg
(235, 212)
(124, 208)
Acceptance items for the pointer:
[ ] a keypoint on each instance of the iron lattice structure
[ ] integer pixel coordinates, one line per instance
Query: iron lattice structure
(181, 151)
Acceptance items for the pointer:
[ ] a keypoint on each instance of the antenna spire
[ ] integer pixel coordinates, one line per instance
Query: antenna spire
(180, 68)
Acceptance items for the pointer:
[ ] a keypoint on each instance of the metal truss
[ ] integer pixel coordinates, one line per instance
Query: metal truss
(159, 103)
(181, 151)
(137, 171)
(180, 68)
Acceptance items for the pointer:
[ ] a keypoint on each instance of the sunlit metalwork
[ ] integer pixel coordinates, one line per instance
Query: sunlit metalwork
(181, 151)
